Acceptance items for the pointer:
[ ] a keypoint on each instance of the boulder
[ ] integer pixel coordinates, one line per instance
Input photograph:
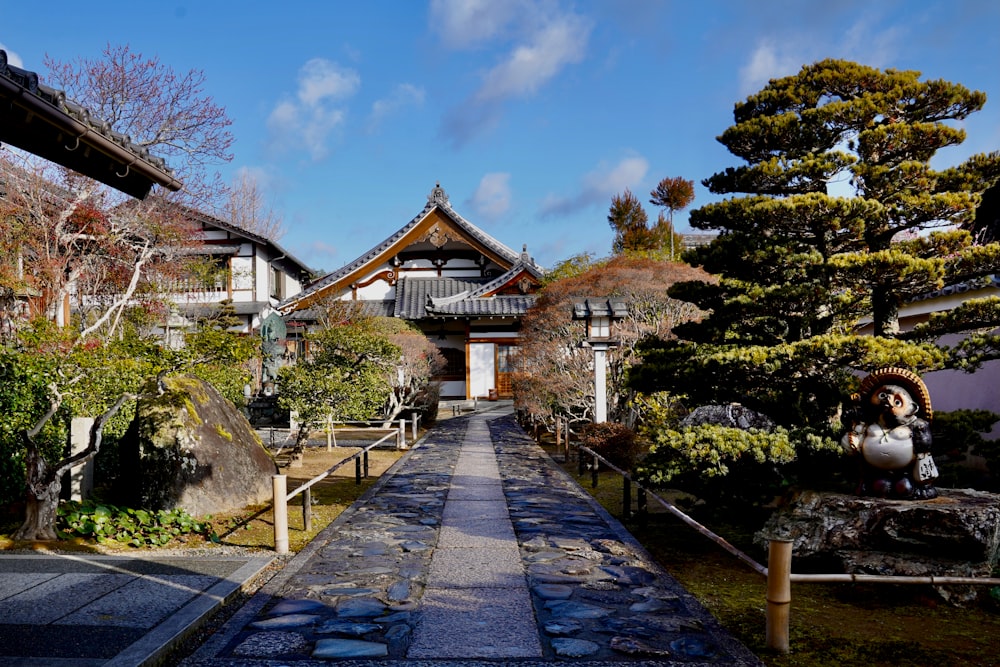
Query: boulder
(732, 415)
(189, 447)
(955, 534)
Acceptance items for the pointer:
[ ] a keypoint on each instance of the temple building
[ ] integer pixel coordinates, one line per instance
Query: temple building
(464, 289)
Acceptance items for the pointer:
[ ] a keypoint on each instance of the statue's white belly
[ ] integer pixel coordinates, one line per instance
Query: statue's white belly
(888, 450)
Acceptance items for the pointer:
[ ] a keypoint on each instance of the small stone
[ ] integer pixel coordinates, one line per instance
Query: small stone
(398, 617)
(374, 549)
(574, 648)
(561, 628)
(295, 606)
(570, 543)
(349, 648)
(633, 646)
(286, 621)
(569, 609)
(613, 547)
(360, 607)
(658, 593)
(347, 628)
(398, 637)
(398, 591)
(414, 546)
(553, 591)
(536, 543)
(647, 606)
(348, 592)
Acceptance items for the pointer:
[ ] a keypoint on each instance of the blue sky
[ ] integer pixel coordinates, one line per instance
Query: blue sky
(532, 115)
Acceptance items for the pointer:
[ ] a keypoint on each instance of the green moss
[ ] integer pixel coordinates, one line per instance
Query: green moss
(189, 386)
(223, 432)
(192, 411)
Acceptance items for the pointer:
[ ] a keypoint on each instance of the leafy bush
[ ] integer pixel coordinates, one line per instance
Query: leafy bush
(615, 442)
(731, 466)
(134, 527)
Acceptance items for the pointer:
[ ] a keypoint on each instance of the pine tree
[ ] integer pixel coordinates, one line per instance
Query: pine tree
(836, 219)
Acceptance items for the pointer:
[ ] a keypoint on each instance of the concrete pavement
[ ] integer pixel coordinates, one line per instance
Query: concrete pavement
(70, 610)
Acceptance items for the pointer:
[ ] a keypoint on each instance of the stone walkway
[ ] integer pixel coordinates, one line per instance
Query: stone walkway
(475, 548)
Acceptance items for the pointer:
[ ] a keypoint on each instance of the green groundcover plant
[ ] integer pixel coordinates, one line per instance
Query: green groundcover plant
(134, 527)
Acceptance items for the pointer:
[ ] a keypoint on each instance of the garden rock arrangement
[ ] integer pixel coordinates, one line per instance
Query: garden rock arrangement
(190, 448)
(363, 591)
(955, 534)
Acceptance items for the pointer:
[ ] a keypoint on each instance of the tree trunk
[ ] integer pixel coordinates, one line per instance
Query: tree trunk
(885, 313)
(44, 481)
(42, 498)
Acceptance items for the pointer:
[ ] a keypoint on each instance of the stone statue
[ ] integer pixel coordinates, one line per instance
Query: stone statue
(272, 331)
(890, 429)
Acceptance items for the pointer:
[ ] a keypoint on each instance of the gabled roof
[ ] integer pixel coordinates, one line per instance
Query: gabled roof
(283, 258)
(40, 120)
(492, 298)
(437, 202)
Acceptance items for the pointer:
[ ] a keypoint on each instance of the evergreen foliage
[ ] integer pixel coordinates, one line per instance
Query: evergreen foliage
(835, 220)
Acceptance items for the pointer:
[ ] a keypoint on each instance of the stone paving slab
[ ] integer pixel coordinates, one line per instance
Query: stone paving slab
(586, 591)
(495, 616)
(477, 568)
(64, 610)
(475, 510)
(479, 533)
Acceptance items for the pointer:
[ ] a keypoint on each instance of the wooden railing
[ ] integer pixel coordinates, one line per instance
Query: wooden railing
(281, 496)
(778, 573)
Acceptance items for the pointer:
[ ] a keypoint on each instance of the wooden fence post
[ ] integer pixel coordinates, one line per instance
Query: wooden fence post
(307, 517)
(279, 489)
(779, 593)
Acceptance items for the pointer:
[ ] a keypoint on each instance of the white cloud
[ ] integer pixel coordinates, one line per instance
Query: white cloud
(12, 57)
(465, 23)
(536, 41)
(307, 120)
(491, 199)
(320, 79)
(767, 63)
(529, 66)
(598, 186)
(403, 96)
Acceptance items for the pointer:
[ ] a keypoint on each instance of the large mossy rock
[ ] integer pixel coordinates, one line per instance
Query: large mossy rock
(955, 534)
(189, 447)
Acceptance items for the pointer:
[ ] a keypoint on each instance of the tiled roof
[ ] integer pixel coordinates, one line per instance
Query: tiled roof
(502, 306)
(960, 288)
(414, 294)
(40, 120)
(283, 257)
(436, 200)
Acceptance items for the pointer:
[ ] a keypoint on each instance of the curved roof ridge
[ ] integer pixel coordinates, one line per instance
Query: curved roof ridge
(438, 198)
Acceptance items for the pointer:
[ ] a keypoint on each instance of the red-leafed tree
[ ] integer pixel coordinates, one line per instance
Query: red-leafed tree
(556, 374)
(68, 243)
(162, 110)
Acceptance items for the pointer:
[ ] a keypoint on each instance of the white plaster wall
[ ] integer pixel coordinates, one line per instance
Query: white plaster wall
(482, 369)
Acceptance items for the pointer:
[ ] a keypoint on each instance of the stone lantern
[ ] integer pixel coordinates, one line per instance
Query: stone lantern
(600, 314)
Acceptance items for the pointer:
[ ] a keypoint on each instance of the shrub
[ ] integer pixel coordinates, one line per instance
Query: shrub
(615, 442)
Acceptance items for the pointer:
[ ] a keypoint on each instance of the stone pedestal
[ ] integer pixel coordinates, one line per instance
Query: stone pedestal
(956, 534)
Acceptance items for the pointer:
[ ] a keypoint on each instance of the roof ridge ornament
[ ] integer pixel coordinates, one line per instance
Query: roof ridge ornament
(438, 196)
